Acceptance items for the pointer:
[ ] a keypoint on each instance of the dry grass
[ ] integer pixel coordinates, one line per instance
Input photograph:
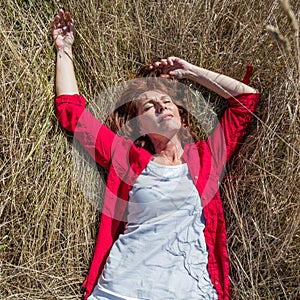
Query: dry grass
(48, 228)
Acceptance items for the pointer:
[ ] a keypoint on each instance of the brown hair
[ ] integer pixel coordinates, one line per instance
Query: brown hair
(123, 119)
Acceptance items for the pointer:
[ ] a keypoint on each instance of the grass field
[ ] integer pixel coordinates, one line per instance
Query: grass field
(48, 227)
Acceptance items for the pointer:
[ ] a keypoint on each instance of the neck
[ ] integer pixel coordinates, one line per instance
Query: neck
(167, 151)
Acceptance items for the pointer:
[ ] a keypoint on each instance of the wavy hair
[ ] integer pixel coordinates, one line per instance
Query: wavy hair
(123, 119)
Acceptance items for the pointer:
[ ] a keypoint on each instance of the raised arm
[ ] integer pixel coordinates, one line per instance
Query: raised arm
(221, 84)
(103, 145)
(70, 106)
(230, 130)
(62, 28)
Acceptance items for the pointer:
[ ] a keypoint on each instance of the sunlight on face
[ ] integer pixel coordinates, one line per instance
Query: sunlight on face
(158, 114)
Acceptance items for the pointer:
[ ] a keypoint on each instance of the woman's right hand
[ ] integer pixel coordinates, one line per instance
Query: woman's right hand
(62, 28)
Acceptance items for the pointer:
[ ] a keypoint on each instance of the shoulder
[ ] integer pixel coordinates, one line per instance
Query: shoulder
(245, 99)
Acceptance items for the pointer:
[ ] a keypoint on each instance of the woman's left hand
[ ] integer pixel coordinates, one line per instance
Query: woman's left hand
(173, 67)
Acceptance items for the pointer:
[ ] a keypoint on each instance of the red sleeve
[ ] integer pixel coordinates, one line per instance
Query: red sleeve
(229, 132)
(96, 138)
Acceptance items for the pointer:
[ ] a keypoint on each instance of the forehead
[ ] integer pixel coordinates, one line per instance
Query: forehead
(152, 95)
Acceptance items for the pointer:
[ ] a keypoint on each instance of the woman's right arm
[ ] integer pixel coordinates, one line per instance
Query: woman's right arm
(103, 145)
(63, 34)
(70, 106)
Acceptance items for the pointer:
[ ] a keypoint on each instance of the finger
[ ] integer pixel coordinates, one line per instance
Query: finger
(69, 20)
(65, 17)
(157, 64)
(63, 21)
(61, 13)
(176, 74)
(56, 21)
(72, 25)
(164, 75)
(164, 62)
(52, 25)
(170, 60)
(68, 16)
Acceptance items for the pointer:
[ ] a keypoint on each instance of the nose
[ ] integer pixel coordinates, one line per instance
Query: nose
(160, 106)
(160, 109)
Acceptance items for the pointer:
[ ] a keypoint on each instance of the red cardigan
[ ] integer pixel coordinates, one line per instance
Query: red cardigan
(125, 162)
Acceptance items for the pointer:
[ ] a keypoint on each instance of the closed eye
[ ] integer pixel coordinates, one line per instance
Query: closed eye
(167, 100)
(151, 103)
(148, 106)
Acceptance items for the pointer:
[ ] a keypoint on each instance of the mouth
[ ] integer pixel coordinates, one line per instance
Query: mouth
(166, 117)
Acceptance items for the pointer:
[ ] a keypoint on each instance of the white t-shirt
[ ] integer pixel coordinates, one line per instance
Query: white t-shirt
(162, 253)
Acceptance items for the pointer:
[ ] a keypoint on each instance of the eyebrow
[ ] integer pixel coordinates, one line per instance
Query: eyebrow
(147, 100)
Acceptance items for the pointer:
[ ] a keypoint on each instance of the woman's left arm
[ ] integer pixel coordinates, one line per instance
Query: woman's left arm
(223, 85)
(230, 130)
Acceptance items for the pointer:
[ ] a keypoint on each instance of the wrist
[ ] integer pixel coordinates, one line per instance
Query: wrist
(64, 49)
(64, 53)
(192, 72)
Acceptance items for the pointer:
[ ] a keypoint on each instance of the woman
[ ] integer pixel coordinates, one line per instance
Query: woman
(162, 231)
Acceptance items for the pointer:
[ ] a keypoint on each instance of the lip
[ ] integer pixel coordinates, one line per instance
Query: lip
(166, 117)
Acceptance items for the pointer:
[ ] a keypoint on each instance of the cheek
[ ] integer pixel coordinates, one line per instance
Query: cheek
(174, 108)
(176, 112)
(144, 122)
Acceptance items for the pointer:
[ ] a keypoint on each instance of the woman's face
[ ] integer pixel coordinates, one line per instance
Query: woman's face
(158, 114)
